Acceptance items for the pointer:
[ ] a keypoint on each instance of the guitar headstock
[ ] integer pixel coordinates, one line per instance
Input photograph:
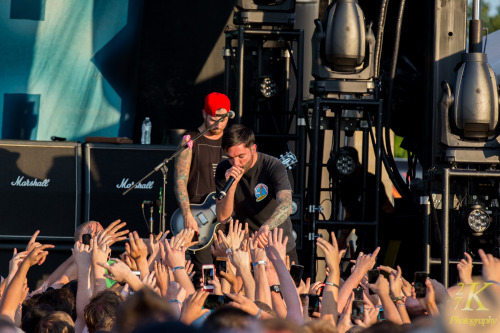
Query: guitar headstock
(289, 159)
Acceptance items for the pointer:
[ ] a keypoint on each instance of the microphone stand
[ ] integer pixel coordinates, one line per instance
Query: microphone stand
(164, 168)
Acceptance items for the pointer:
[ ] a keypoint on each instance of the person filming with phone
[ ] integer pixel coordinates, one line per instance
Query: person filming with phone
(255, 187)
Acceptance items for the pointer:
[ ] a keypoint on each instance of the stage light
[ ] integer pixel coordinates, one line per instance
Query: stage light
(474, 112)
(343, 162)
(268, 87)
(343, 44)
(478, 220)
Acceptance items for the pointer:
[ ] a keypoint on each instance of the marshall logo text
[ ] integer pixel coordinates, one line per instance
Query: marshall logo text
(20, 181)
(125, 184)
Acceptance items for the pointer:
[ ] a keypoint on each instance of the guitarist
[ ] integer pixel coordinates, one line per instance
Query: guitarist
(261, 193)
(195, 167)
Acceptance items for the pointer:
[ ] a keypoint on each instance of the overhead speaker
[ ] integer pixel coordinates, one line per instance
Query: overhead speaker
(40, 188)
(109, 170)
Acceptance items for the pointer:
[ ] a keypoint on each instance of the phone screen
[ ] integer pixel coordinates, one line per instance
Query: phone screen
(86, 239)
(420, 288)
(208, 275)
(214, 302)
(358, 294)
(358, 308)
(220, 266)
(296, 273)
(313, 302)
(373, 275)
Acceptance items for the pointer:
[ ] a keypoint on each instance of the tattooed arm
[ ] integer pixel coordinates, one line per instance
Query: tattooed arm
(282, 211)
(181, 174)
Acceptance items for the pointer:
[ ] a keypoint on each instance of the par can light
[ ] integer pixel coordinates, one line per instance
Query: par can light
(478, 220)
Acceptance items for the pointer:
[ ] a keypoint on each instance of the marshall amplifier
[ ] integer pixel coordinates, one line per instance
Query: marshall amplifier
(109, 170)
(40, 188)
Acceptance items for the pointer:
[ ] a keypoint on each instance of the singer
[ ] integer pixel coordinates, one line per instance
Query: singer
(261, 194)
(195, 167)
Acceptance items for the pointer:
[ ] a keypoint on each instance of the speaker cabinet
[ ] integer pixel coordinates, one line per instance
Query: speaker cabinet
(39, 188)
(109, 170)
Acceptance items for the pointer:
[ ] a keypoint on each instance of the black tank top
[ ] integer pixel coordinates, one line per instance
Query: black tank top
(206, 154)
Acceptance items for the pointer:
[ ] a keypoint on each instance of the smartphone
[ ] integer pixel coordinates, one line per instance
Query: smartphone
(214, 302)
(420, 288)
(358, 309)
(313, 303)
(358, 294)
(208, 274)
(220, 266)
(86, 239)
(296, 273)
(373, 275)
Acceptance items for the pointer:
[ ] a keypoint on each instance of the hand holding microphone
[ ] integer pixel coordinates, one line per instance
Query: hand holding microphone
(235, 173)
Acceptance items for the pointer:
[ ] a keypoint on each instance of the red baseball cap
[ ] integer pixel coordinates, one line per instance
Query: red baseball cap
(215, 101)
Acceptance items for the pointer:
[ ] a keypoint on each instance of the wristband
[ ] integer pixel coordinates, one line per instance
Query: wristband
(176, 301)
(260, 262)
(400, 298)
(400, 305)
(332, 284)
(258, 314)
(178, 267)
(494, 282)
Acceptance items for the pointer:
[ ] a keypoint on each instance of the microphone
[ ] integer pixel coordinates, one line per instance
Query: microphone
(223, 192)
(230, 114)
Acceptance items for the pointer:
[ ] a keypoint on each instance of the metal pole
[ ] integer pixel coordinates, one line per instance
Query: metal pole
(445, 251)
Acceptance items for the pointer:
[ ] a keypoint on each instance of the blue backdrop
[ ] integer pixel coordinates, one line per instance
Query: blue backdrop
(67, 68)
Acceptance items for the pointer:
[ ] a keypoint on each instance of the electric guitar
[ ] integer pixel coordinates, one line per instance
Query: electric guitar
(205, 216)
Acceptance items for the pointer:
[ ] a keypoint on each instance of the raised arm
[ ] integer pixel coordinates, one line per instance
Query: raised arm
(329, 309)
(182, 166)
(14, 292)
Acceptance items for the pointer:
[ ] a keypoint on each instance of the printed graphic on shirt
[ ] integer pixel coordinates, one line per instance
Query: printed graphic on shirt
(260, 192)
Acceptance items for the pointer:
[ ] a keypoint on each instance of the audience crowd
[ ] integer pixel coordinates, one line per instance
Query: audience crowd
(149, 288)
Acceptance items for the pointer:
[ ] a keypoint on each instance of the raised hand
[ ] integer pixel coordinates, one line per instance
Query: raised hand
(244, 303)
(332, 253)
(396, 283)
(99, 251)
(118, 271)
(219, 247)
(262, 234)
(150, 281)
(275, 240)
(240, 259)
(113, 234)
(38, 255)
(128, 261)
(192, 307)
(14, 263)
(257, 253)
(81, 253)
(33, 243)
(136, 248)
(235, 235)
(491, 266)
(162, 277)
(174, 256)
(365, 262)
(464, 268)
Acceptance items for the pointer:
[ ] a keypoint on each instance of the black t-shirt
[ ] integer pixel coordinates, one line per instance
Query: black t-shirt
(206, 154)
(255, 196)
